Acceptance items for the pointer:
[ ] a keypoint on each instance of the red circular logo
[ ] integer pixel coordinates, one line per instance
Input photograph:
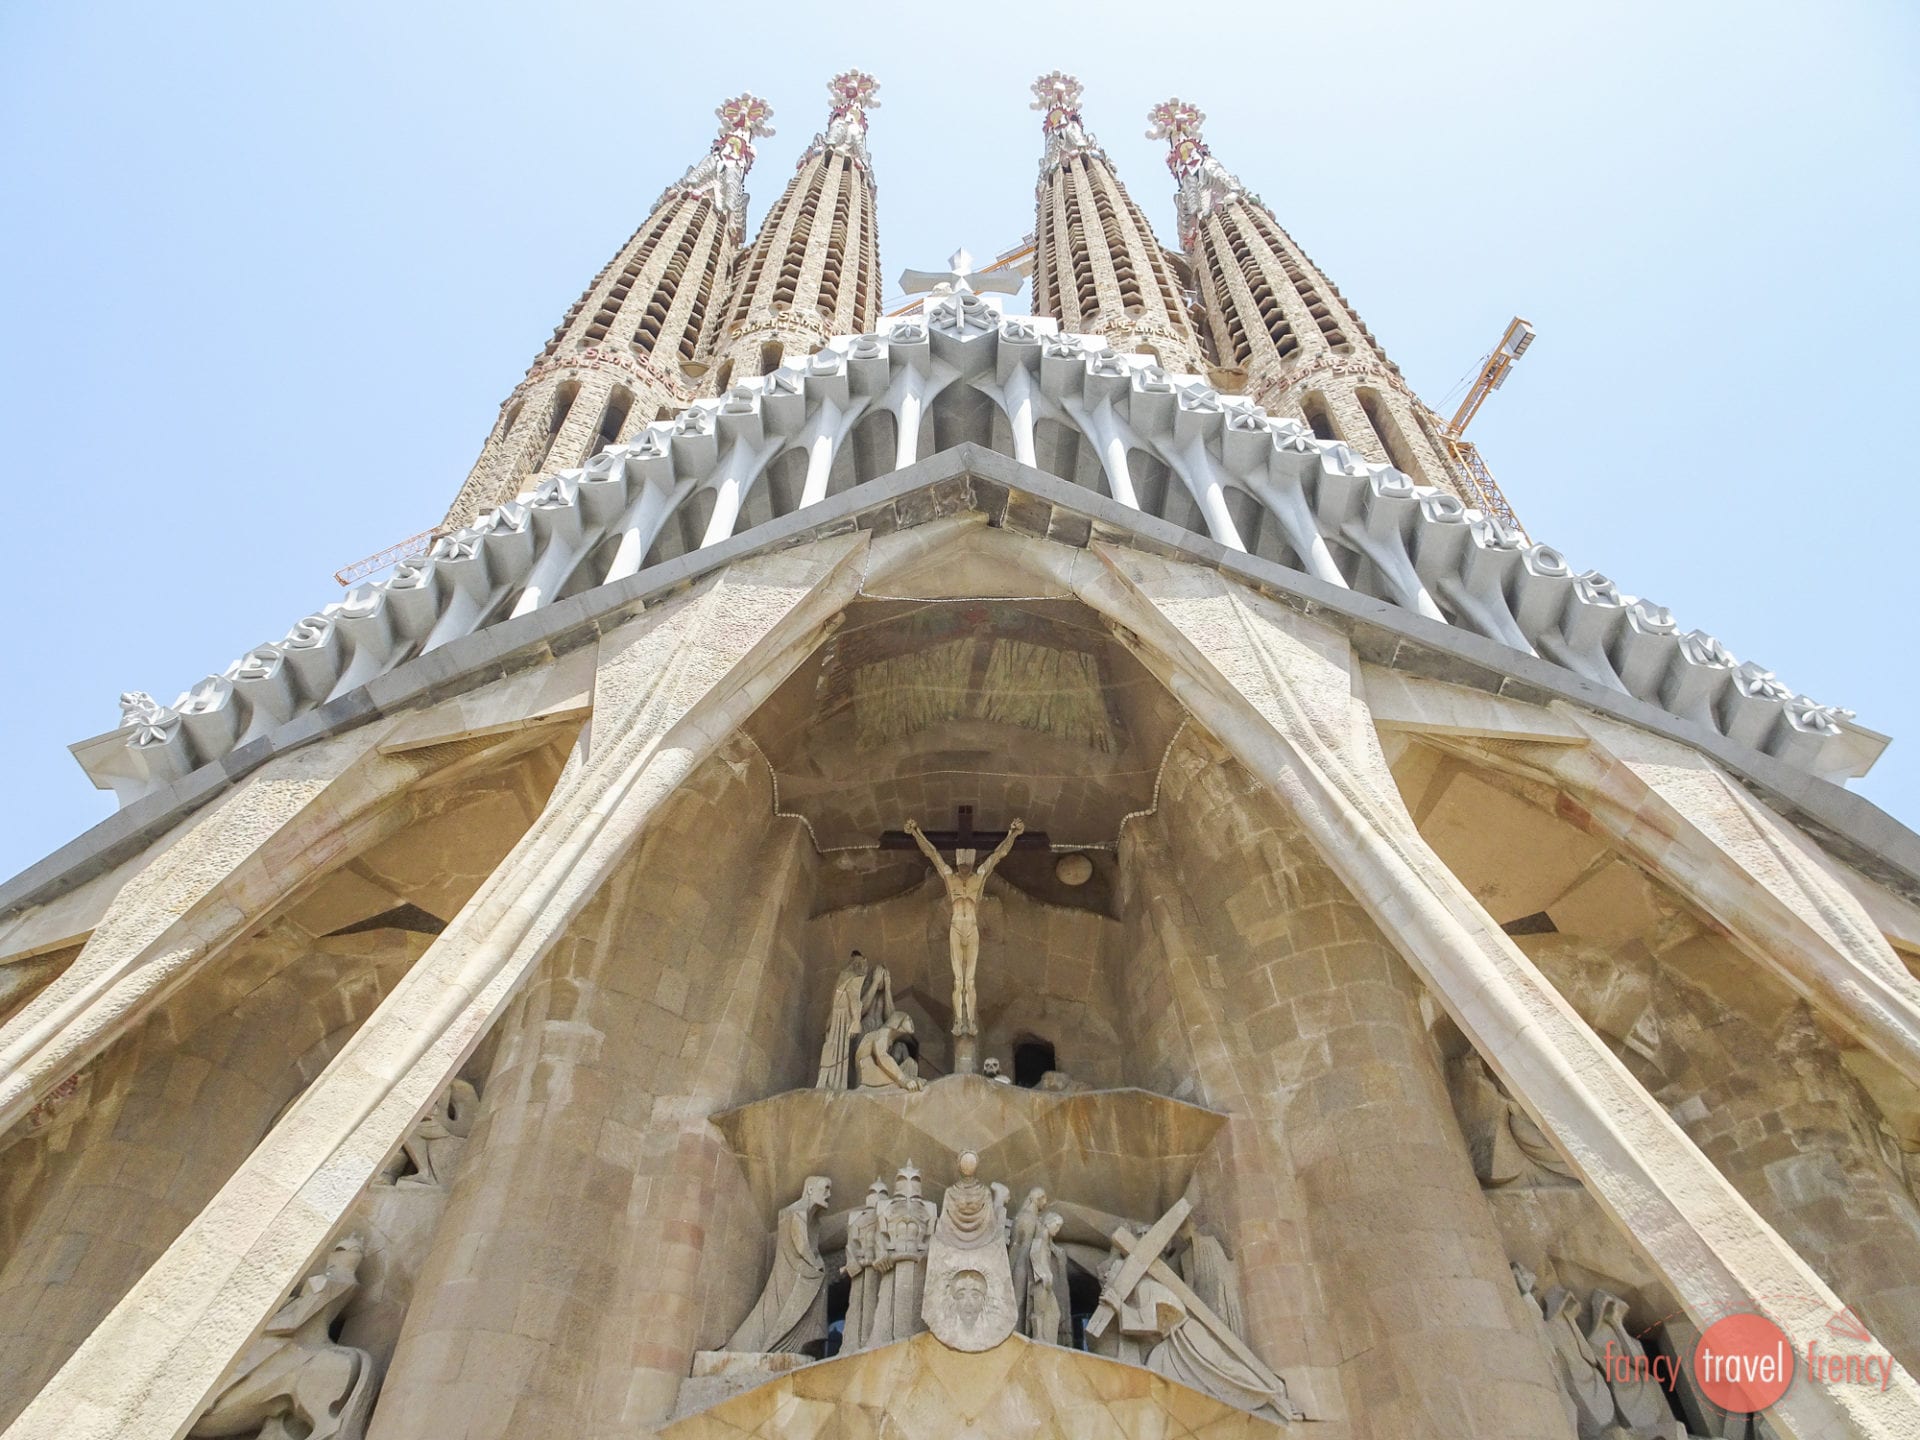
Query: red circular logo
(1743, 1363)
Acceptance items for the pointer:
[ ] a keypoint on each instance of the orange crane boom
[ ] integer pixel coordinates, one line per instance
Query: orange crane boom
(1483, 491)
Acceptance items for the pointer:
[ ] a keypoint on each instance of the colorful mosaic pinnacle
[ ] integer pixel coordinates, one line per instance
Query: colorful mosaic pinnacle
(853, 90)
(1178, 123)
(1058, 94)
(743, 119)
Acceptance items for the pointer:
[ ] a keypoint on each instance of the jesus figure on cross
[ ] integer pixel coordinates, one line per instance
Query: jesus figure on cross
(965, 884)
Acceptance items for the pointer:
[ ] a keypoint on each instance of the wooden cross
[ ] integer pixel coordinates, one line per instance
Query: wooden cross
(962, 837)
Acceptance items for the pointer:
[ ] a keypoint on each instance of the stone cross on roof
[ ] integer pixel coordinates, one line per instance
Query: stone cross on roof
(958, 277)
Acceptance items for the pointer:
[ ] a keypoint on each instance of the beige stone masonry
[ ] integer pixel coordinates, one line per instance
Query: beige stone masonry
(290, 822)
(1686, 821)
(671, 688)
(1280, 693)
(918, 1389)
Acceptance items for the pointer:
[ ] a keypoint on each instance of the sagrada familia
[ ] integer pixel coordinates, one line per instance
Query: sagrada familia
(954, 873)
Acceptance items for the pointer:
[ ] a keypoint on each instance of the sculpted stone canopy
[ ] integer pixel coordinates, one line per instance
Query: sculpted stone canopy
(1067, 404)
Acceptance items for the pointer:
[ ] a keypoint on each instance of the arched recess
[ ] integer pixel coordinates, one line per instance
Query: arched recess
(777, 492)
(684, 529)
(1162, 493)
(1258, 530)
(867, 453)
(1814, 1132)
(1061, 449)
(962, 414)
(156, 1124)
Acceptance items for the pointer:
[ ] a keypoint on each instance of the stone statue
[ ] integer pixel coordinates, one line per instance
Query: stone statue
(862, 1268)
(1214, 1279)
(1575, 1363)
(965, 885)
(1527, 1281)
(1502, 1140)
(874, 1061)
(969, 1301)
(792, 1310)
(1026, 1224)
(862, 997)
(1046, 1277)
(1640, 1399)
(428, 1154)
(906, 1229)
(294, 1381)
(1157, 1321)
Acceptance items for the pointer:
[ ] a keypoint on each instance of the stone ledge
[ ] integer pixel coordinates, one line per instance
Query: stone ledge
(1107, 1152)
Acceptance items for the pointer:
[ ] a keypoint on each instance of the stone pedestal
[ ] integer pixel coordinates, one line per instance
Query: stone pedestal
(721, 1374)
(966, 1055)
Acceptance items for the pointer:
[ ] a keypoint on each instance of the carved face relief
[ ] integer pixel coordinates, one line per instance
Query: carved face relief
(970, 1295)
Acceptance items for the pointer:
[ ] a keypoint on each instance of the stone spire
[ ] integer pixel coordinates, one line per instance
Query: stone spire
(814, 270)
(1098, 268)
(1278, 327)
(630, 344)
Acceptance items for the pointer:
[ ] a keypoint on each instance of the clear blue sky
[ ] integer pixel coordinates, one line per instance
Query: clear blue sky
(267, 271)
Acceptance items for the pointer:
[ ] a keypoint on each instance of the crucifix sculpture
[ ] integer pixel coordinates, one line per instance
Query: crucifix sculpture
(965, 883)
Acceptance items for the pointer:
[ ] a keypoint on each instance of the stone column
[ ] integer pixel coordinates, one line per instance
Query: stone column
(566, 1289)
(1369, 1263)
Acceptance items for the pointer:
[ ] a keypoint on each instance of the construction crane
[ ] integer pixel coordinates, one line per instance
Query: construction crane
(1483, 490)
(407, 549)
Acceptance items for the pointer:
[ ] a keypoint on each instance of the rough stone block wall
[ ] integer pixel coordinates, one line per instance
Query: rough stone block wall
(1762, 1090)
(1369, 1260)
(599, 1231)
(170, 1112)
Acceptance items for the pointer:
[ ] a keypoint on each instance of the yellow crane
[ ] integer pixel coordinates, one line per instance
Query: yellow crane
(1483, 490)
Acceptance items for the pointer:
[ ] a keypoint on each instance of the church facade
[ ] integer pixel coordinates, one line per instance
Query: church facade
(965, 873)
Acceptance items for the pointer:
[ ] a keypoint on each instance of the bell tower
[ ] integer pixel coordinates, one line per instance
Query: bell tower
(1279, 328)
(1098, 268)
(628, 347)
(814, 270)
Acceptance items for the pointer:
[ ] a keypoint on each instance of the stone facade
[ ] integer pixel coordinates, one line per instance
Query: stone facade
(967, 942)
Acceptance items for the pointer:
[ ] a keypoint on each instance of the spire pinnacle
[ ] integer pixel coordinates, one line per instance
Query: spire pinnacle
(721, 174)
(1203, 182)
(743, 119)
(852, 94)
(1057, 96)
(1178, 123)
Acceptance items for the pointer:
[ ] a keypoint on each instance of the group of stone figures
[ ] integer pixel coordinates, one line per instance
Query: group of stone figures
(1607, 1386)
(296, 1382)
(865, 1033)
(972, 1273)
